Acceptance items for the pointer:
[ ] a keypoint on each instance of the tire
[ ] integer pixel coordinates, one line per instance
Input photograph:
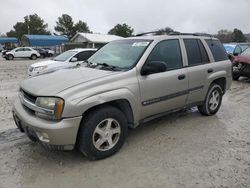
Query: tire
(50, 55)
(42, 56)
(33, 57)
(235, 76)
(211, 105)
(94, 135)
(10, 57)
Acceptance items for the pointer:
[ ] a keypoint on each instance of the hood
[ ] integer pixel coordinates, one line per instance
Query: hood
(43, 63)
(53, 83)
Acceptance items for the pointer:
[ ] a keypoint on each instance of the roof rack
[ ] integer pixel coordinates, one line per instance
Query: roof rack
(146, 33)
(174, 33)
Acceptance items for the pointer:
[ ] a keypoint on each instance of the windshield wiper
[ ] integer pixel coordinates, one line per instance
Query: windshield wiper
(110, 67)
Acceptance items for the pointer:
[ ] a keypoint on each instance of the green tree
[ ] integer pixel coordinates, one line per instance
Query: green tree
(238, 36)
(81, 26)
(32, 24)
(165, 30)
(65, 26)
(224, 35)
(36, 25)
(121, 30)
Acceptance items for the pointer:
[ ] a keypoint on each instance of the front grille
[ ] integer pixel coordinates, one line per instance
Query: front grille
(28, 96)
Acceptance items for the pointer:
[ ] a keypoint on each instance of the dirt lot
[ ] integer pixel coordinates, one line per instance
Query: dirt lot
(183, 149)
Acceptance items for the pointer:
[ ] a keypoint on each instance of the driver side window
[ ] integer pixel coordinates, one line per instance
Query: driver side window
(168, 52)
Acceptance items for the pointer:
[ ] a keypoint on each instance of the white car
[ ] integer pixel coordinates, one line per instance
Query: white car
(22, 52)
(67, 59)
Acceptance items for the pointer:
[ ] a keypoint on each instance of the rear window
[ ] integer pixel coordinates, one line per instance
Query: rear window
(196, 52)
(217, 50)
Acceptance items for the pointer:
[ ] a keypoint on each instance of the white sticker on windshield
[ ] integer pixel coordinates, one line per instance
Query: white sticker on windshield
(140, 43)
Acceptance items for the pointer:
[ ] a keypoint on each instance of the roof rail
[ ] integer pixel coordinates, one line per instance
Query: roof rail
(174, 33)
(146, 33)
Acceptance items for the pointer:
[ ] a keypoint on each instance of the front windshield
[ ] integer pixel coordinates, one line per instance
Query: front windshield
(123, 53)
(64, 56)
(246, 52)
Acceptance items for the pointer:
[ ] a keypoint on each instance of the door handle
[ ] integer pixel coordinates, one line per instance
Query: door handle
(210, 70)
(181, 77)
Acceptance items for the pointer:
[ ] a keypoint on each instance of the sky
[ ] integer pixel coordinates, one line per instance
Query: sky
(142, 15)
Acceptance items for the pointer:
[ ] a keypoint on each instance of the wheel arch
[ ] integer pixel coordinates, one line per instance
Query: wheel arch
(121, 104)
(221, 82)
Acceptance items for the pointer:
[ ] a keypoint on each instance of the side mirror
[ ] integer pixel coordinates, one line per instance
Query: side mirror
(153, 67)
(73, 59)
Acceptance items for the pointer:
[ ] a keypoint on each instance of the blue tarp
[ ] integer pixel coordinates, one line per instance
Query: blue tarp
(8, 39)
(46, 40)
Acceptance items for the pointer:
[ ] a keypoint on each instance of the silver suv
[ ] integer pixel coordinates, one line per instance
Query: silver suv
(125, 83)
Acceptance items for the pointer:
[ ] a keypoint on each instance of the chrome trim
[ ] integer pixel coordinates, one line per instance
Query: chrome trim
(33, 107)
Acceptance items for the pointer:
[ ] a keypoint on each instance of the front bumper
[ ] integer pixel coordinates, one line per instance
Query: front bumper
(53, 134)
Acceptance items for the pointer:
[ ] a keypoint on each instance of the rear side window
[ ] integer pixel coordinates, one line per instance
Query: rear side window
(217, 50)
(168, 52)
(196, 52)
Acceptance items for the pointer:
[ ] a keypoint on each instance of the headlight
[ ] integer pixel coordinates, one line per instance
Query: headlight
(40, 68)
(50, 107)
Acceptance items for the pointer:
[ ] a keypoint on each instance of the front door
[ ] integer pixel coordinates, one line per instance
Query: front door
(165, 91)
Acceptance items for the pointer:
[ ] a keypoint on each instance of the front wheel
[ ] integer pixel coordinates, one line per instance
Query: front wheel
(33, 57)
(10, 57)
(212, 103)
(102, 132)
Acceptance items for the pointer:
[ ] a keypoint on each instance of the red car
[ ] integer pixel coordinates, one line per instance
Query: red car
(241, 64)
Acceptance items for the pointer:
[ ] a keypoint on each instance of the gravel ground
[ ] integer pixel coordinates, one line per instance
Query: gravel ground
(183, 149)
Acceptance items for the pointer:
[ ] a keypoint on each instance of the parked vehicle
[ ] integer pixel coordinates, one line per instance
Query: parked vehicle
(1, 48)
(241, 64)
(43, 53)
(125, 83)
(234, 49)
(67, 59)
(50, 51)
(21, 52)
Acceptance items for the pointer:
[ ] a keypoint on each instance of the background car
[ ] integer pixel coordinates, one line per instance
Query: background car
(50, 52)
(234, 49)
(67, 59)
(43, 53)
(22, 52)
(241, 64)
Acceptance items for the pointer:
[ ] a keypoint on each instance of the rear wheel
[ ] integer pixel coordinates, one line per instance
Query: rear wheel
(33, 57)
(102, 132)
(212, 103)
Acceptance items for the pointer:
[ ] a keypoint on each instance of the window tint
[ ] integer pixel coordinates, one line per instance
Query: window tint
(196, 52)
(217, 50)
(26, 49)
(168, 52)
(83, 56)
(19, 50)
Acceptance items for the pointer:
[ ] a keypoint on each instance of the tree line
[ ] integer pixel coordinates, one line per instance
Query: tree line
(34, 24)
(65, 25)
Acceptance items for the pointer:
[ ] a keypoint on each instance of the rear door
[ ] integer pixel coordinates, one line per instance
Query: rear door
(199, 68)
(165, 91)
(27, 52)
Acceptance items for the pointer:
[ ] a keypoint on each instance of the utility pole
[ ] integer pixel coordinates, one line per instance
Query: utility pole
(28, 24)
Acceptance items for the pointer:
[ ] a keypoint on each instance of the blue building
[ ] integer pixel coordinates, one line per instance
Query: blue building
(43, 40)
(4, 40)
